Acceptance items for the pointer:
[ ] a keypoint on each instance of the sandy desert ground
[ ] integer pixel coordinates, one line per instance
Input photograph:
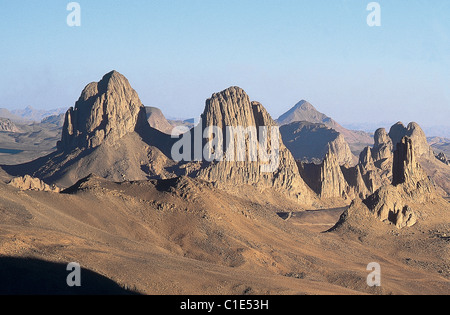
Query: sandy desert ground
(183, 236)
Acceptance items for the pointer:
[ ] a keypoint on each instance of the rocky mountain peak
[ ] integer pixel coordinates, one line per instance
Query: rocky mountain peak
(231, 107)
(305, 105)
(309, 142)
(406, 169)
(415, 132)
(365, 158)
(381, 137)
(333, 183)
(397, 132)
(106, 111)
(263, 163)
(410, 186)
(303, 111)
(421, 146)
(157, 120)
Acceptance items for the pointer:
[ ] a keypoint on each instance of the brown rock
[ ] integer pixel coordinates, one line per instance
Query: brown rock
(233, 108)
(406, 169)
(105, 111)
(443, 158)
(7, 125)
(157, 120)
(332, 179)
(304, 111)
(413, 131)
(382, 149)
(410, 186)
(107, 133)
(310, 142)
(29, 183)
(372, 177)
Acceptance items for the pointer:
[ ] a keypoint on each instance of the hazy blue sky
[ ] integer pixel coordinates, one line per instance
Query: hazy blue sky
(176, 53)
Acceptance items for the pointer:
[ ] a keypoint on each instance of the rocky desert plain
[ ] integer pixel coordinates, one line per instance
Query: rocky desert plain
(97, 184)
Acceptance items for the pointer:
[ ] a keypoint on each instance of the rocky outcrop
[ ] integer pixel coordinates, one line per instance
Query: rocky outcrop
(29, 183)
(246, 160)
(342, 150)
(310, 142)
(364, 178)
(157, 120)
(106, 133)
(410, 186)
(382, 154)
(406, 169)
(439, 172)
(370, 174)
(333, 183)
(304, 111)
(55, 120)
(383, 147)
(7, 125)
(376, 165)
(385, 144)
(105, 112)
(443, 158)
(416, 134)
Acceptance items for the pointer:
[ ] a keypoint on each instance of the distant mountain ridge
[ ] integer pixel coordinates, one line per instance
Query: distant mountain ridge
(157, 120)
(5, 113)
(440, 145)
(33, 114)
(305, 111)
(310, 142)
(302, 111)
(30, 114)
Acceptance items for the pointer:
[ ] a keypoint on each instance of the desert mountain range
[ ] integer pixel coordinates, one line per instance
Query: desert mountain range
(304, 111)
(112, 196)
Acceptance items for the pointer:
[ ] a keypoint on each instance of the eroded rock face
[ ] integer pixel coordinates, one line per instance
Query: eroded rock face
(383, 147)
(332, 179)
(157, 120)
(410, 186)
(29, 183)
(304, 111)
(233, 108)
(366, 159)
(443, 158)
(416, 134)
(406, 169)
(7, 125)
(376, 165)
(371, 175)
(105, 111)
(310, 142)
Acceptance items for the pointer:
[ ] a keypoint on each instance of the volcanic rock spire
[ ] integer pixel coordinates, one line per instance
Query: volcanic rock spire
(249, 145)
(105, 111)
(410, 186)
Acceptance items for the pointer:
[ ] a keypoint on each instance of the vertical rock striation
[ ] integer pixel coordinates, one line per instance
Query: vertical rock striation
(105, 112)
(233, 108)
(410, 186)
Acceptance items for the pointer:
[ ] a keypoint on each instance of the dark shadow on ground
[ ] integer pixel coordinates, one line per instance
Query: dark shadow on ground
(22, 276)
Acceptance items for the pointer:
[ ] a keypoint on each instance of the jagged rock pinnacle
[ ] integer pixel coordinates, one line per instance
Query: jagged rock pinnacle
(105, 111)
